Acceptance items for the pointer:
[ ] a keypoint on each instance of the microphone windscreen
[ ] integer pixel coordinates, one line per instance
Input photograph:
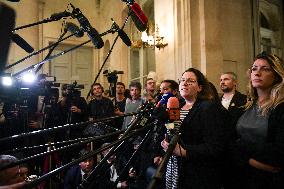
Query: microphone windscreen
(173, 103)
(124, 37)
(139, 18)
(173, 109)
(74, 29)
(165, 97)
(7, 23)
(95, 38)
(22, 43)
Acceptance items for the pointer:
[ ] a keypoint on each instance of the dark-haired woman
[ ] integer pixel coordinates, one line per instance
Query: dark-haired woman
(197, 160)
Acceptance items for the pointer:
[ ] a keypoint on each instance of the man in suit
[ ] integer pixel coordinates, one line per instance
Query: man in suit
(77, 173)
(232, 99)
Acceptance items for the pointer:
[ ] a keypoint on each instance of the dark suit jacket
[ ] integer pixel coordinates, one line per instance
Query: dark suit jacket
(204, 134)
(73, 178)
(235, 108)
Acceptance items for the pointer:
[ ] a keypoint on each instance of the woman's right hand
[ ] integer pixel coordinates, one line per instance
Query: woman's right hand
(165, 144)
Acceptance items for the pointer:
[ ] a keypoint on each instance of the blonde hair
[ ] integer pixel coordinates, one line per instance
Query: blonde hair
(277, 91)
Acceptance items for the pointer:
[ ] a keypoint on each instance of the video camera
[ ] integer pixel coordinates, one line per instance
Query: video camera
(72, 90)
(112, 79)
(112, 76)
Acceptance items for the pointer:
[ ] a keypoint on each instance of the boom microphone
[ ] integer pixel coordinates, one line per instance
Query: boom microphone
(22, 43)
(138, 17)
(7, 23)
(124, 37)
(74, 29)
(86, 26)
(58, 16)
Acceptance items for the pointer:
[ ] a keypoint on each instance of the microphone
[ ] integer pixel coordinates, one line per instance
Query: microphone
(173, 109)
(86, 26)
(74, 29)
(138, 17)
(117, 72)
(22, 43)
(174, 117)
(160, 112)
(164, 99)
(123, 36)
(114, 72)
(58, 16)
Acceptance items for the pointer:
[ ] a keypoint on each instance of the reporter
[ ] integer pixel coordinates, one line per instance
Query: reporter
(259, 150)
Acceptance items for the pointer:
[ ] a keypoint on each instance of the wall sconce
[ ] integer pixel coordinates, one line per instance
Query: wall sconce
(150, 41)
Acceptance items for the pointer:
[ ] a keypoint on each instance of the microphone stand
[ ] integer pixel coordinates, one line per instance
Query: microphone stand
(159, 172)
(27, 148)
(39, 51)
(88, 182)
(52, 48)
(18, 162)
(47, 130)
(76, 161)
(46, 20)
(108, 54)
(137, 151)
(57, 55)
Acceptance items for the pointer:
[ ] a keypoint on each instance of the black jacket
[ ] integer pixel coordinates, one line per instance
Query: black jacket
(73, 178)
(100, 108)
(236, 108)
(204, 134)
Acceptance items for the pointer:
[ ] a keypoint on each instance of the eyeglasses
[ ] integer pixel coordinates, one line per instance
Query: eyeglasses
(187, 80)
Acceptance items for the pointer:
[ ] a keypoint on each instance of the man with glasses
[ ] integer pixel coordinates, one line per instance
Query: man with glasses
(149, 92)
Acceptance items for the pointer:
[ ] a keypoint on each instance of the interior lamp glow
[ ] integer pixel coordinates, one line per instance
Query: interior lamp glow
(28, 77)
(6, 81)
(144, 36)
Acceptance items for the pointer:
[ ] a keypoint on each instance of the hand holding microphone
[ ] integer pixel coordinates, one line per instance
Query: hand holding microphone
(173, 126)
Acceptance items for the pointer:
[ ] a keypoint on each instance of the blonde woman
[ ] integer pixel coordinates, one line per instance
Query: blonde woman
(259, 150)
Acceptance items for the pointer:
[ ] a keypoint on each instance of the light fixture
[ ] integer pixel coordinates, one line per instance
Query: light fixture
(28, 77)
(7, 81)
(150, 41)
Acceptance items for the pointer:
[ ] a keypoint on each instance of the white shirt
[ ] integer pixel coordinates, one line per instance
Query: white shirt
(226, 101)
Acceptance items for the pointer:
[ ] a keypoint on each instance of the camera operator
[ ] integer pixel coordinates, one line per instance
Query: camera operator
(73, 107)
